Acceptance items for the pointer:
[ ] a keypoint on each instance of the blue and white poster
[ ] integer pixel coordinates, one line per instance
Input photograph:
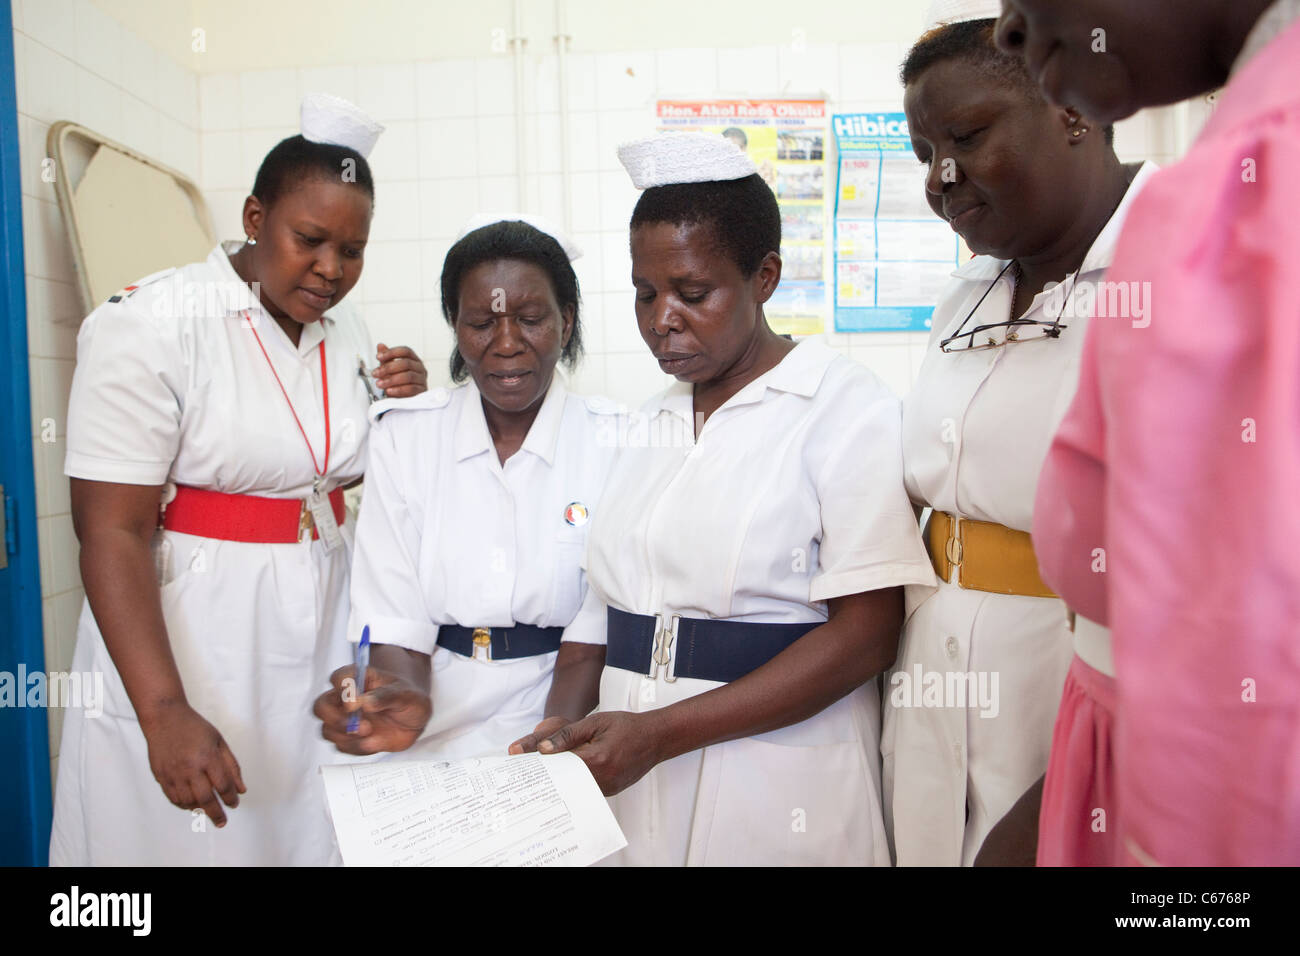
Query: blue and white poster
(893, 255)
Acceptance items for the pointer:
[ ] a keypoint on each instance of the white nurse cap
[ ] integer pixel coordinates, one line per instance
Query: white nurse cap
(571, 248)
(335, 121)
(682, 157)
(944, 12)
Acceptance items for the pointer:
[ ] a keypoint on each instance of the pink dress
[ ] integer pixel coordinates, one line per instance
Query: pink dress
(1180, 458)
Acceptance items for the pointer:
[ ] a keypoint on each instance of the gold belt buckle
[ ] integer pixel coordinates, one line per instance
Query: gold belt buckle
(306, 523)
(482, 637)
(952, 549)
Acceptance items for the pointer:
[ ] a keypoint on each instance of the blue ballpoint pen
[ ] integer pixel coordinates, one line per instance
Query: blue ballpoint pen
(362, 661)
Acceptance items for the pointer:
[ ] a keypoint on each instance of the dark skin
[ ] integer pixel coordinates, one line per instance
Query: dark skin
(308, 254)
(1014, 840)
(1020, 184)
(1156, 52)
(703, 318)
(511, 332)
(115, 523)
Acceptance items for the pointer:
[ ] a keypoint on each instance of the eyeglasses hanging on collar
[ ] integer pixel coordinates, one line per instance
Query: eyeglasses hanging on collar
(1018, 329)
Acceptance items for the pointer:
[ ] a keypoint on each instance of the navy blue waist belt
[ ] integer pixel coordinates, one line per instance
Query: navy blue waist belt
(501, 643)
(716, 650)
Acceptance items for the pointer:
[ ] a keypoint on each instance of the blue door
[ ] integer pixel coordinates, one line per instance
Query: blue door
(24, 737)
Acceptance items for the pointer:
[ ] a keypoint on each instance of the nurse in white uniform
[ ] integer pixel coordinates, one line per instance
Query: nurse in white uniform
(747, 559)
(1038, 193)
(245, 417)
(476, 513)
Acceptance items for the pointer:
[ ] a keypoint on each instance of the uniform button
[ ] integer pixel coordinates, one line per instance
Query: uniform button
(951, 645)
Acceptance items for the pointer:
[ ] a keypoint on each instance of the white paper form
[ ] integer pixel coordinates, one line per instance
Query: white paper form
(522, 810)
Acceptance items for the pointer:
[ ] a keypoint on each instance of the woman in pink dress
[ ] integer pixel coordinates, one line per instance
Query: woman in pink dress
(1173, 510)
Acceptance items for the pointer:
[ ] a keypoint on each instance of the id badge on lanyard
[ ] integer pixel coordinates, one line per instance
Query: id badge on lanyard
(318, 502)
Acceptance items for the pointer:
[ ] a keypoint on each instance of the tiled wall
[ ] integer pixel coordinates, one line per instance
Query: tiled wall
(448, 152)
(73, 62)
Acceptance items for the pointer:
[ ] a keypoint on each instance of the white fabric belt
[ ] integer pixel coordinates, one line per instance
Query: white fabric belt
(1092, 644)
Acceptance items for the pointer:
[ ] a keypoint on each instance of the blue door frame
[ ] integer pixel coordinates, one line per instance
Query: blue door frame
(25, 803)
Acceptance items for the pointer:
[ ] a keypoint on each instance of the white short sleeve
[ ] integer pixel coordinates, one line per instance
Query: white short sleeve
(591, 624)
(870, 538)
(124, 412)
(386, 591)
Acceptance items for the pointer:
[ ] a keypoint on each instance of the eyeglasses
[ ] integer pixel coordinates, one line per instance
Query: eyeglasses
(963, 340)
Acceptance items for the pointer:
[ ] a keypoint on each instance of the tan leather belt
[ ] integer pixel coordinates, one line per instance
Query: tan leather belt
(987, 556)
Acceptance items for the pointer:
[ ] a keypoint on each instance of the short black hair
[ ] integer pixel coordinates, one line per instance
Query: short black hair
(294, 160)
(511, 239)
(742, 214)
(974, 42)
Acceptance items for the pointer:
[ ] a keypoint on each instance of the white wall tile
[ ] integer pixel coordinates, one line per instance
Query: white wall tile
(335, 80)
(497, 193)
(178, 92)
(496, 145)
(869, 71)
(139, 126)
(99, 105)
(584, 142)
(543, 86)
(616, 127)
(548, 197)
(396, 156)
(52, 23)
(444, 88)
(586, 202)
(591, 279)
(446, 205)
(387, 92)
(226, 207)
(618, 310)
(45, 241)
(398, 323)
(616, 263)
(543, 143)
(448, 147)
(686, 73)
(52, 494)
(219, 104)
(494, 81)
(433, 252)
(50, 94)
(99, 42)
(139, 68)
(617, 199)
(810, 68)
(31, 156)
(50, 388)
(397, 212)
(53, 317)
(751, 71)
(269, 98)
(582, 81)
(589, 377)
(221, 164)
(66, 609)
(392, 272)
(624, 80)
(64, 554)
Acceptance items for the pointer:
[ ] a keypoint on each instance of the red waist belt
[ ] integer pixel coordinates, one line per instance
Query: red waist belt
(247, 518)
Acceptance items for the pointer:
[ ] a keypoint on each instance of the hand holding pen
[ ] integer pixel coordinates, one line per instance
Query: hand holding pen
(384, 707)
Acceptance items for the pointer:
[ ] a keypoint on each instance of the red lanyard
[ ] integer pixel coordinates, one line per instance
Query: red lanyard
(325, 392)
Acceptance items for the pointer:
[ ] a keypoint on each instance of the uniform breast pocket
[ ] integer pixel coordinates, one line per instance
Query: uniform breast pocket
(570, 550)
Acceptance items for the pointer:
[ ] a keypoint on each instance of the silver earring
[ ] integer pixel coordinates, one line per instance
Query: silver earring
(252, 242)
